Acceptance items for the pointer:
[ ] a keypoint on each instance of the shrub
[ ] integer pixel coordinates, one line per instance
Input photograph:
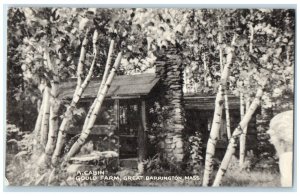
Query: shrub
(194, 154)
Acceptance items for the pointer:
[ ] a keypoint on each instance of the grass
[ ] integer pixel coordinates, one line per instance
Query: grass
(251, 179)
(235, 178)
(231, 179)
(19, 172)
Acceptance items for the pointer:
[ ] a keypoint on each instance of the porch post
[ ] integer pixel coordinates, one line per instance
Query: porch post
(117, 120)
(142, 133)
(117, 113)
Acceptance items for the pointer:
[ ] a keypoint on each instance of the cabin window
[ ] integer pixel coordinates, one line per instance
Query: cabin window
(129, 126)
(106, 114)
(129, 118)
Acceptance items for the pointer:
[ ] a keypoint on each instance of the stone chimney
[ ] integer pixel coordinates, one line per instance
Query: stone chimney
(170, 69)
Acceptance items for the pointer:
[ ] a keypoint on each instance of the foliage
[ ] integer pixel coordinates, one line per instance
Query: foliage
(20, 96)
(143, 33)
(195, 155)
(21, 158)
(18, 142)
(157, 119)
(159, 165)
(265, 150)
(13, 132)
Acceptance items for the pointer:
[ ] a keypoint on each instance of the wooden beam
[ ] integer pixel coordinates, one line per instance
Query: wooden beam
(117, 121)
(117, 114)
(142, 133)
(96, 130)
(126, 97)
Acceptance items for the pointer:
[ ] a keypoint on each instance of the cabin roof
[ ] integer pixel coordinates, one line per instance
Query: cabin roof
(204, 102)
(135, 86)
(129, 86)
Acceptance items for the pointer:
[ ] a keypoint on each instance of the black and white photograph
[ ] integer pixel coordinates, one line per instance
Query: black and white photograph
(150, 97)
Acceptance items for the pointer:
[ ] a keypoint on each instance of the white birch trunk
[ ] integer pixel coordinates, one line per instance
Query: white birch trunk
(235, 136)
(85, 132)
(220, 43)
(251, 29)
(53, 118)
(221, 59)
(288, 56)
(243, 140)
(215, 129)
(81, 62)
(242, 113)
(108, 62)
(205, 71)
(45, 119)
(227, 113)
(185, 81)
(76, 97)
(104, 78)
(38, 123)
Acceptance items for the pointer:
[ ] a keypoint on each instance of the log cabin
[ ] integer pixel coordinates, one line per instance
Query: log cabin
(122, 123)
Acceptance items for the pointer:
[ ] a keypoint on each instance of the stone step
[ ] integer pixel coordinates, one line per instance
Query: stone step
(129, 163)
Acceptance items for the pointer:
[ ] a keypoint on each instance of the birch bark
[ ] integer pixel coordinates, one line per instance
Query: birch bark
(95, 110)
(81, 86)
(104, 78)
(215, 129)
(243, 139)
(235, 137)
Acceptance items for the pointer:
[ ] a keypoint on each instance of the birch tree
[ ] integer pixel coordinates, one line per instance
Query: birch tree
(104, 78)
(243, 138)
(95, 110)
(210, 149)
(45, 118)
(226, 105)
(54, 107)
(80, 87)
(235, 137)
(243, 102)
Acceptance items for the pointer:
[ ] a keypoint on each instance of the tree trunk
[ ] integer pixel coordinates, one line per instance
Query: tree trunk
(205, 71)
(108, 62)
(244, 133)
(38, 123)
(54, 107)
(45, 119)
(104, 78)
(220, 44)
(80, 74)
(235, 136)
(76, 97)
(243, 139)
(215, 129)
(227, 113)
(251, 29)
(85, 132)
